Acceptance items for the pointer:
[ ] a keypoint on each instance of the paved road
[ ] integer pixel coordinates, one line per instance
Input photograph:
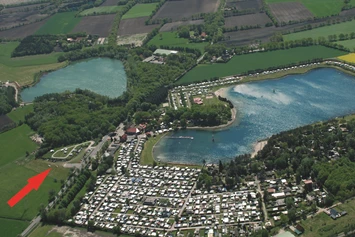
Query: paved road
(262, 199)
(33, 224)
(99, 146)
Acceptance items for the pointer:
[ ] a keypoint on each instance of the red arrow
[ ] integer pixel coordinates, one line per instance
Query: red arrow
(33, 183)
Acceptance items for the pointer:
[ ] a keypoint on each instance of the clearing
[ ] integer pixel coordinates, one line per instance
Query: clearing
(100, 10)
(95, 25)
(247, 20)
(140, 10)
(134, 26)
(325, 31)
(243, 63)
(173, 40)
(60, 23)
(290, 11)
(185, 9)
(23, 69)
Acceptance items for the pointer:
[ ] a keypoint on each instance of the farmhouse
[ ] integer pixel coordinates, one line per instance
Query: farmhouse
(132, 131)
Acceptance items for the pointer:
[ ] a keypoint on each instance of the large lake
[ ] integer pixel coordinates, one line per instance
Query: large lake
(298, 100)
(101, 75)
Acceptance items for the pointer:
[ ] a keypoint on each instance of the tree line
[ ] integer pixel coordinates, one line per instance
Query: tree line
(7, 99)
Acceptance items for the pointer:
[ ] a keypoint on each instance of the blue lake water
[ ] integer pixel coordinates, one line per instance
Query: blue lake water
(101, 75)
(298, 100)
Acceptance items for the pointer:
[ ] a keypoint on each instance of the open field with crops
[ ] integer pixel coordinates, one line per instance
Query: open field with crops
(100, 10)
(110, 3)
(95, 25)
(243, 63)
(348, 58)
(134, 26)
(247, 20)
(23, 69)
(174, 25)
(60, 23)
(12, 228)
(319, 8)
(246, 4)
(140, 10)
(6, 2)
(22, 31)
(346, 27)
(184, 9)
(290, 11)
(172, 39)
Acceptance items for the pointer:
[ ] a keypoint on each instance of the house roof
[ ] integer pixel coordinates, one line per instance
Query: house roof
(132, 130)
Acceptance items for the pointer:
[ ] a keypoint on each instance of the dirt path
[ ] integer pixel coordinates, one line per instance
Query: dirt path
(15, 85)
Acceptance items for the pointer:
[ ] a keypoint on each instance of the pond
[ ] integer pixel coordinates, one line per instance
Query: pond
(101, 75)
(265, 108)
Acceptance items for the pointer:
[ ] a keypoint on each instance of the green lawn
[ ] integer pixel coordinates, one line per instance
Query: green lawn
(23, 69)
(15, 143)
(243, 63)
(19, 114)
(147, 153)
(140, 10)
(12, 228)
(172, 39)
(323, 225)
(60, 23)
(346, 27)
(100, 10)
(319, 8)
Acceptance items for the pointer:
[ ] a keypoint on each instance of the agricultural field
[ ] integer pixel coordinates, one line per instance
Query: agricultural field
(19, 114)
(243, 63)
(95, 25)
(6, 2)
(12, 228)
(348, 58)
(134, 26)
(23, 69)
(100, 10)
(345, 27)
(174, 25)
(319, 8)
(60, 23)
(172, 39)
(140, 10)
(22, 31)
(247, 20)
(184, 9)
(323, 225)
(13, 19)
(110, 3)
(244, 4)
(290, 11)
(350, 44)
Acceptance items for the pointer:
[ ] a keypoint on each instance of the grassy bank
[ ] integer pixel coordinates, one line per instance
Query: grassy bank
(244, 63)
(147, 153)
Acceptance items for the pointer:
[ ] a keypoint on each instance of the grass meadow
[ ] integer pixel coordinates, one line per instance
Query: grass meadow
(100, 10)
(350, 44)
(19, 114)
(12, 228)
(319, 8)
(24, 69)
(172, 39)
(243, 63)
(60, 23)
(140, 10)
(323, 225)
(325, 31)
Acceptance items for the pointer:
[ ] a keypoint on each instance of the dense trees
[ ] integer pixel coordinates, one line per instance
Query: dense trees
(7, 99)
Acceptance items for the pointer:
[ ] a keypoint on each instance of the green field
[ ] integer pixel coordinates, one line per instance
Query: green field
(15, 142)
(140, 10)
(12, 228)
(350, 44)
(323, 225)
(319, 8)
(346, 27)
(19, 114)
(100, 10)
(172, 39)
(243, 63)
(60, 23)
(23, 69)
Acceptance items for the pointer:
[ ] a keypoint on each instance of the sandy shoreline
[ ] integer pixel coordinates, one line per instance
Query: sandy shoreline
(258, 147)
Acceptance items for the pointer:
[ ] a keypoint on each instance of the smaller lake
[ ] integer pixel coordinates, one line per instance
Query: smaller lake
(101, 75)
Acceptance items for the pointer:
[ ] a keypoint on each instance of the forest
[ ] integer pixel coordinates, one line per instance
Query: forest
(7, 99)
